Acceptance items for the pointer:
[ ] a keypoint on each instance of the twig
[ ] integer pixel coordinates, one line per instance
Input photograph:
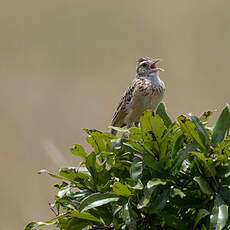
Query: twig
(52, 209)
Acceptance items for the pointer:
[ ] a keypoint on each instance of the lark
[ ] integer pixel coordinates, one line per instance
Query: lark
(145, 92)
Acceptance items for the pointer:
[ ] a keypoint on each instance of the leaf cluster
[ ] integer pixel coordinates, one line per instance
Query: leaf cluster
(162, 175)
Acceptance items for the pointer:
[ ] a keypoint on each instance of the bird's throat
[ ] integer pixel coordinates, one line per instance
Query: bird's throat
(154, 78)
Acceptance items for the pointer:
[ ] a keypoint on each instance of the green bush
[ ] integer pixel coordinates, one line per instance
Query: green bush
(164, 175)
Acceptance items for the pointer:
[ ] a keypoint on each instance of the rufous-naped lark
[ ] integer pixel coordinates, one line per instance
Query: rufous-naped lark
(145, 92)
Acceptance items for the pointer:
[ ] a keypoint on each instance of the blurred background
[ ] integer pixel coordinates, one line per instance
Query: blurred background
(65, 64)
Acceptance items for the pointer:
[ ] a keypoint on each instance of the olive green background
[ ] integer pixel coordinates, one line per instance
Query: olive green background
(64, 65)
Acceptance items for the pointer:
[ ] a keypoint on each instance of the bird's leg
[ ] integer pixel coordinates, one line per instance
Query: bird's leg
(114, 132)
(136, 124)
(125, 135)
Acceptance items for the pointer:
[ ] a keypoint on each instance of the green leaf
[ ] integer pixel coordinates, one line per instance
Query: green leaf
(82, 177)
(188, 201)
(103, 180)
(154, 199)
(145, 200)
(78, 150)
(191, 129)
(204, 117)
(104, 213)
(121, 130)
(153, 124)
(152, 163)
(223, 171)
(97, 199)
(178, 141)
(72, 223)
(121, 189)
(68, 173)
(201, 214)
(177, 192)
(202, 131)
(219, 216)
(96, 140)
(63, 191)
(199, 156)
(138, 186)
(84, 216)
(203, 227)
(222, 125)
(131, 148)
(154, 182)
(161, 111)
(129, 216)
(51, 174)
(80, 195)
(180, 157)
(210, 170)
(175, 222)
(136, 169)
(125, 214)
(158, 201)
(92, 166)
(204, 186)
(225, 193)
(135, 134)
(33, 225)
(177, 163)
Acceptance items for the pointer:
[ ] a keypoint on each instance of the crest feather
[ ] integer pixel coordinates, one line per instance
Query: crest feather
(143, 59)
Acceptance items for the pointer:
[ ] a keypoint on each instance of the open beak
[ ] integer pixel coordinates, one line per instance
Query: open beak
(153, 66)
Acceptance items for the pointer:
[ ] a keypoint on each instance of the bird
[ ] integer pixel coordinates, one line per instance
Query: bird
(145, 92)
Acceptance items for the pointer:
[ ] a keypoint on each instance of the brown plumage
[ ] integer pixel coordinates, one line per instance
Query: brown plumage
(145, 92)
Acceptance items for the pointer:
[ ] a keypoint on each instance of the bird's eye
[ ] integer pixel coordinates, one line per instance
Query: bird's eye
(144, 64)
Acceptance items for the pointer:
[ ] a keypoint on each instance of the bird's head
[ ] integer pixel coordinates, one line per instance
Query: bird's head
(147, 66)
